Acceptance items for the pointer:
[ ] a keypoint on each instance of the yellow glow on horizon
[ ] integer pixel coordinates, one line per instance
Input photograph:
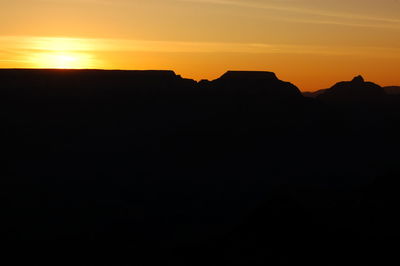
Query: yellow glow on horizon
(61, 53)
(60, 60)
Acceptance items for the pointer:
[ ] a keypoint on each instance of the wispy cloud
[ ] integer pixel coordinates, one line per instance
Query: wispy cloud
(338, 18)
(283, 5)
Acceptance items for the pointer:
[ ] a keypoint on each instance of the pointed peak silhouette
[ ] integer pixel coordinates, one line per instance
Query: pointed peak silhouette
(356, 90)
(358, 79)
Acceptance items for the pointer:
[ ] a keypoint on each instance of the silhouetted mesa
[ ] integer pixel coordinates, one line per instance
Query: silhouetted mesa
(356, 90)
(260, 83)
(248, 75)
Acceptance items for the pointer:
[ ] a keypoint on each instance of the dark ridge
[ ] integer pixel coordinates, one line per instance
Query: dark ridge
(75, 71)
(68, 75)
(36, 75)
(88, 84)
(356, 90)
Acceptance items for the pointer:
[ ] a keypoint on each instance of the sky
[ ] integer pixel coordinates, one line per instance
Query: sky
(311, 43)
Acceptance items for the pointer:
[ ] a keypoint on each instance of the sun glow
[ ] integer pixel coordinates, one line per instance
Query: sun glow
(62, 53)
(65, 61)
(62, 60)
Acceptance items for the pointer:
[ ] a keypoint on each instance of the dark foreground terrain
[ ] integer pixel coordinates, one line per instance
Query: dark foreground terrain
(148, 168)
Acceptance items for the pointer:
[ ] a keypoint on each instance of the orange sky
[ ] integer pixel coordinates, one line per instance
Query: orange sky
(312, 43)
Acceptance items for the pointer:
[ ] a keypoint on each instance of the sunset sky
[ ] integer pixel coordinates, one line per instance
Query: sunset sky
(312, 43)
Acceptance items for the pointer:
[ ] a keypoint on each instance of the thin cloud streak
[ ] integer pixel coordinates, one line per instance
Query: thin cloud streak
(30, 44)
(385, 22)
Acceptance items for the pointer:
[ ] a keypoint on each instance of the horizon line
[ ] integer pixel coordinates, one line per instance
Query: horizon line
(164, 70)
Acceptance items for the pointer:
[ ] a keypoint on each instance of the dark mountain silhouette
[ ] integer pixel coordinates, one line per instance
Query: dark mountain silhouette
(356, 90)
(148, 168)
(392, 90)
